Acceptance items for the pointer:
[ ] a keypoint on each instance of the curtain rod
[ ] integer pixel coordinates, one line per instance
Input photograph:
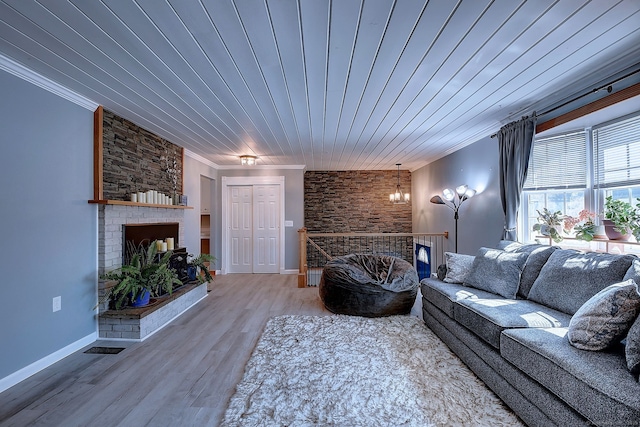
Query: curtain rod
(608, 87)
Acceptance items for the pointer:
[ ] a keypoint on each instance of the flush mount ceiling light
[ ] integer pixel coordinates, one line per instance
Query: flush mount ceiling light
(247, 160)
(399, 198)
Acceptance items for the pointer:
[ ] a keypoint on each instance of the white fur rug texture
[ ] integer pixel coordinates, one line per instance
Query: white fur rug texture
(352, 371)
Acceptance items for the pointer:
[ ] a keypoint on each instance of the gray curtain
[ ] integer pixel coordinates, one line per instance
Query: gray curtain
(515, 141)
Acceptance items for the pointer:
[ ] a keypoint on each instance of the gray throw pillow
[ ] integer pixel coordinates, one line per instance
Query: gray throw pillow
(632, 349)
(634, 271)
(569, 278)
(496, 271)
(458, 265)
(509, 245)
(538, 256)
(605, 318)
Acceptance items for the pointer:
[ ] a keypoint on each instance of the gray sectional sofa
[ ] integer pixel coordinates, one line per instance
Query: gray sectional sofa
(509, 321)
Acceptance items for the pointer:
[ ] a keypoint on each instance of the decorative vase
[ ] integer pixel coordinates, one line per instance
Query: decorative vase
(612, 233)
(141, 300)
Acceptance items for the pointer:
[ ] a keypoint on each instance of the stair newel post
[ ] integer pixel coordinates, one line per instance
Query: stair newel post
(302, 264)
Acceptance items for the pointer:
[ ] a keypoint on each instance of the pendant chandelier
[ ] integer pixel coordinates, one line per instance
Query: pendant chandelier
(399, 198)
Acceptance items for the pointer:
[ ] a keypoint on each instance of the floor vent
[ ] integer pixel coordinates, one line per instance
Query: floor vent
(104, 350)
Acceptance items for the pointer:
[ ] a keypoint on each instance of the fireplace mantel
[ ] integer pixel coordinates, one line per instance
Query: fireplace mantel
(142, 205)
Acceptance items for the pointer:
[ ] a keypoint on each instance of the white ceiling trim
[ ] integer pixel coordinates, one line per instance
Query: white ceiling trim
(22, 72)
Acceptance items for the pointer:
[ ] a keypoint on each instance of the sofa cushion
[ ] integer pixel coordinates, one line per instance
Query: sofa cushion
(538, 256)
(605, 318)
(569, 278)
(597, 384)
(444, 295)
(632, 349)
(458, 265)
(488, 317)
(496, 271)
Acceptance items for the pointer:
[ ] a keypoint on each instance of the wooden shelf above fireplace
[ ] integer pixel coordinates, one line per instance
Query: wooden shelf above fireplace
(144, 205)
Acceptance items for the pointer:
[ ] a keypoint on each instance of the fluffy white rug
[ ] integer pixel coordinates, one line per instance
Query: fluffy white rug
(355, 371)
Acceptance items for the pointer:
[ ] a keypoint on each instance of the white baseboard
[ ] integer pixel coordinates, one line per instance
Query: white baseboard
(37, 366)
(290, 271)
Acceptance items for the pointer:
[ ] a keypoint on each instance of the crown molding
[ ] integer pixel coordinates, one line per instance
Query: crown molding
(238, 167)
(12, 67)
(269, 167)
(201, 159)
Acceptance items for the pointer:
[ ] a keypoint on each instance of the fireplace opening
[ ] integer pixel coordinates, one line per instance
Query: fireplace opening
(144, 234)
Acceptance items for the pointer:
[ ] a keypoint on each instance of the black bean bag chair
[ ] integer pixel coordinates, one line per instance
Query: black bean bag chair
(368, 285)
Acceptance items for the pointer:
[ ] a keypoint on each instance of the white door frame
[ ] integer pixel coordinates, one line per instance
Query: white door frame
(249, 180)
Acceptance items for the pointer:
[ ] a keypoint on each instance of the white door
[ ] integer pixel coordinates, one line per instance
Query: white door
(240, 229)
(266, 228)
(254, 228)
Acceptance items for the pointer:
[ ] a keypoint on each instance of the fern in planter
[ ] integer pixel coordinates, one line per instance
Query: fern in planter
(199, 263)
(144, 272)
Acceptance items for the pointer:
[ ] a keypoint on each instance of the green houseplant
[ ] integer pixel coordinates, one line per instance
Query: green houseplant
(144, 272)
(620, 218)
(584, 225)
(200, 263)
(550, 224)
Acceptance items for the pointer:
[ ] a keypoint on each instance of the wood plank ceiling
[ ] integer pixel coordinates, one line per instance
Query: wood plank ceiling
(332, 85)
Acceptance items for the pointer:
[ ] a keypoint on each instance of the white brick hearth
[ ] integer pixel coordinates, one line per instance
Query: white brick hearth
(112, 218)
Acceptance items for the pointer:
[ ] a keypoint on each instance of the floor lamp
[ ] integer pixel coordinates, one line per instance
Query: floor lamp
(453, 200)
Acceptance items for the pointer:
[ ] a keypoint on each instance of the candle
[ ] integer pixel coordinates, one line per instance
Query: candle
(149, 196)
(170, 243)
(155, 197)
(170, 201)
(143, 197)
(140, 199)
(164, 246)
(134, 197)
(159, 244)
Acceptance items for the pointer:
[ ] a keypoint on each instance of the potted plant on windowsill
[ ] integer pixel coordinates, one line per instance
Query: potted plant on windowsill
(584, 225)
(145, 274)
(550, 224)
(619, 219)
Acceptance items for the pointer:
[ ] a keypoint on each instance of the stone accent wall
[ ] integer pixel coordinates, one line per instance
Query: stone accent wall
(355, 201)
(137, 160)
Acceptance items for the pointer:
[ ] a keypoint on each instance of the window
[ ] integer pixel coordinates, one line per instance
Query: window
(556, 180)
(617, 154)
(558, 162)
(566, 175)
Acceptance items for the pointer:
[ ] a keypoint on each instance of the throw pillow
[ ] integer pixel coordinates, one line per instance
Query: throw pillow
(509, 245)
(605, 318)
(442, 271)
(538, 257)
(457, 266)
(632, 349)
(569, 278)
(634, 271)
(496, 271)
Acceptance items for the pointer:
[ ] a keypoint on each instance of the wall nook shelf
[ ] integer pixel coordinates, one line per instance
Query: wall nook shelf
(144, 205)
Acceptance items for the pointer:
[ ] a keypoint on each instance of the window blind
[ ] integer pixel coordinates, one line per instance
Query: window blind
(558, 162)
(617, 154)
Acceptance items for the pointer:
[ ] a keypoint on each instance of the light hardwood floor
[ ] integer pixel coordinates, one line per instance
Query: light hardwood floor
(183, 375)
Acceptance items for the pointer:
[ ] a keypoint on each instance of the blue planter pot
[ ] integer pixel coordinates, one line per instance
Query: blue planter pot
(141, 300)
(191, 272)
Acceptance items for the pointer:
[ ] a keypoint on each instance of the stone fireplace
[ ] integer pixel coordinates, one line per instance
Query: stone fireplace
(111, 222)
